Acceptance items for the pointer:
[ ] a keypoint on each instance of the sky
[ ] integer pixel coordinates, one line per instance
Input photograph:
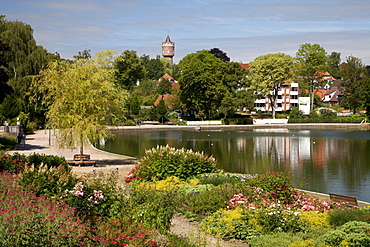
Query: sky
(243, 29)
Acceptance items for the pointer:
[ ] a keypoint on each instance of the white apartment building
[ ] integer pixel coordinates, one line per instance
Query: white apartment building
(288, 98)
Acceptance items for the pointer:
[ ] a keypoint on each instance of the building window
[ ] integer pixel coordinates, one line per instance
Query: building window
(292, 105)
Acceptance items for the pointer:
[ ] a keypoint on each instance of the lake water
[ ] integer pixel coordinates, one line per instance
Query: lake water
(324, 161)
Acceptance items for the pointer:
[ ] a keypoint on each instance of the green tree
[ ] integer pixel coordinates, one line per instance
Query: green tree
(220, 54)
(11, 107)
(334, 62)
(154, 69)
(4, 87)
(245, 99)
(129, 69)
(86, 54)
(309, 59)
(354, 83)
(25, 59)
(164, 87)
(162, 109)
(202, 84)
(167, 66)
(134, 104)
(81, 98)
(228, 106)
(267, 73)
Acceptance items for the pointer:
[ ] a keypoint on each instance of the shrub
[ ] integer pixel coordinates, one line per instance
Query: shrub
(278, 184)
(277, 218)
(47, 181)
(203, 200)
(221, 178)
(314, 219)
(152, 208)
(281, 239)
(96, 195)
(7, 142)
(229, 224)
(162, 162)
(340, 217)
(16, 162)
(50, 160)
(13, 163)
(354, 232)
(168, 184)
(27, 220)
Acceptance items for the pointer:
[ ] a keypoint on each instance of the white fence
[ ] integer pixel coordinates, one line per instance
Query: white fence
(209, 122)
(10, 129)
(269, 121)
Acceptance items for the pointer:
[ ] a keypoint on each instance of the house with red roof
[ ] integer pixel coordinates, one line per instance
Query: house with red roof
(175, 84)
(334, 95)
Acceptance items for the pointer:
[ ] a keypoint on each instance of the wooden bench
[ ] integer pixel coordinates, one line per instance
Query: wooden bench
(81, 159)
(351, 200)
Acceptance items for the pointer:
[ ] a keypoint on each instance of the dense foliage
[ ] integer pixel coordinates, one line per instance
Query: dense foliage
(81, 99)
(164, 161)
(21, 60)
(267, 73)
(7, 142)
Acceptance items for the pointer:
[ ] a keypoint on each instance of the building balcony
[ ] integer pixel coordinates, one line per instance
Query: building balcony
(293, 92)
(260, 101)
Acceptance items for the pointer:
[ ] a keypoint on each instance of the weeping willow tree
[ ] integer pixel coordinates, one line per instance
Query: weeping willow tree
(81, 98)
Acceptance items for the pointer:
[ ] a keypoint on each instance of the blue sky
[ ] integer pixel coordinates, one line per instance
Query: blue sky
(243, 29)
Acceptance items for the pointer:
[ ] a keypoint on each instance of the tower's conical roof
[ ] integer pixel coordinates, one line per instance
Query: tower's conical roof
(168, 38)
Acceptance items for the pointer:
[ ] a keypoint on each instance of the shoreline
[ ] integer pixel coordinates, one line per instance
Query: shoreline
(364, 126)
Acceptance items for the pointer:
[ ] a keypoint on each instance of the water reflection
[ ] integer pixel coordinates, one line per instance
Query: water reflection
(329, 161)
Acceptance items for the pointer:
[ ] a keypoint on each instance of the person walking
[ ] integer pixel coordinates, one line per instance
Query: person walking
(23, 140)
(19, 140)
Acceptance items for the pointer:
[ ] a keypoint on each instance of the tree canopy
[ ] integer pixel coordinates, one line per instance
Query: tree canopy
(355, 83)
(81, 98)
(267, 73)
(129, 69)
(220, 54)
(23, 57)
(201, 81)
(309, 59)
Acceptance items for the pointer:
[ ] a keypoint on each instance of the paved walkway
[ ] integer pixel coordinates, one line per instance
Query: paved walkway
(43, 142)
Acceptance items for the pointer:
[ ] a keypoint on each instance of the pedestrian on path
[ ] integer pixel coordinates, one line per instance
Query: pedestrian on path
(23, 140)
(19, 140)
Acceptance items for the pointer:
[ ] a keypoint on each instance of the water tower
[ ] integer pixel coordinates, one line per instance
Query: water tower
(168, 49)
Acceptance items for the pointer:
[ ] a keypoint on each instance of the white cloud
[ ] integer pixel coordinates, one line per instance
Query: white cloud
(244, 29)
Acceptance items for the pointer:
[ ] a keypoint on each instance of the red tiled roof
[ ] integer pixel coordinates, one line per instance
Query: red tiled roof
(167, 76)
(175, 85)
(167, 99)
(244, 65)
(321, 93)
(324, 75)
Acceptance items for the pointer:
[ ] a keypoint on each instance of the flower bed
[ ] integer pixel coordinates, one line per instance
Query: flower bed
(48, 205)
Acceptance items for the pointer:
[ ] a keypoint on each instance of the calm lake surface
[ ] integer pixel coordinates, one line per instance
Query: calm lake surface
(325, 161)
